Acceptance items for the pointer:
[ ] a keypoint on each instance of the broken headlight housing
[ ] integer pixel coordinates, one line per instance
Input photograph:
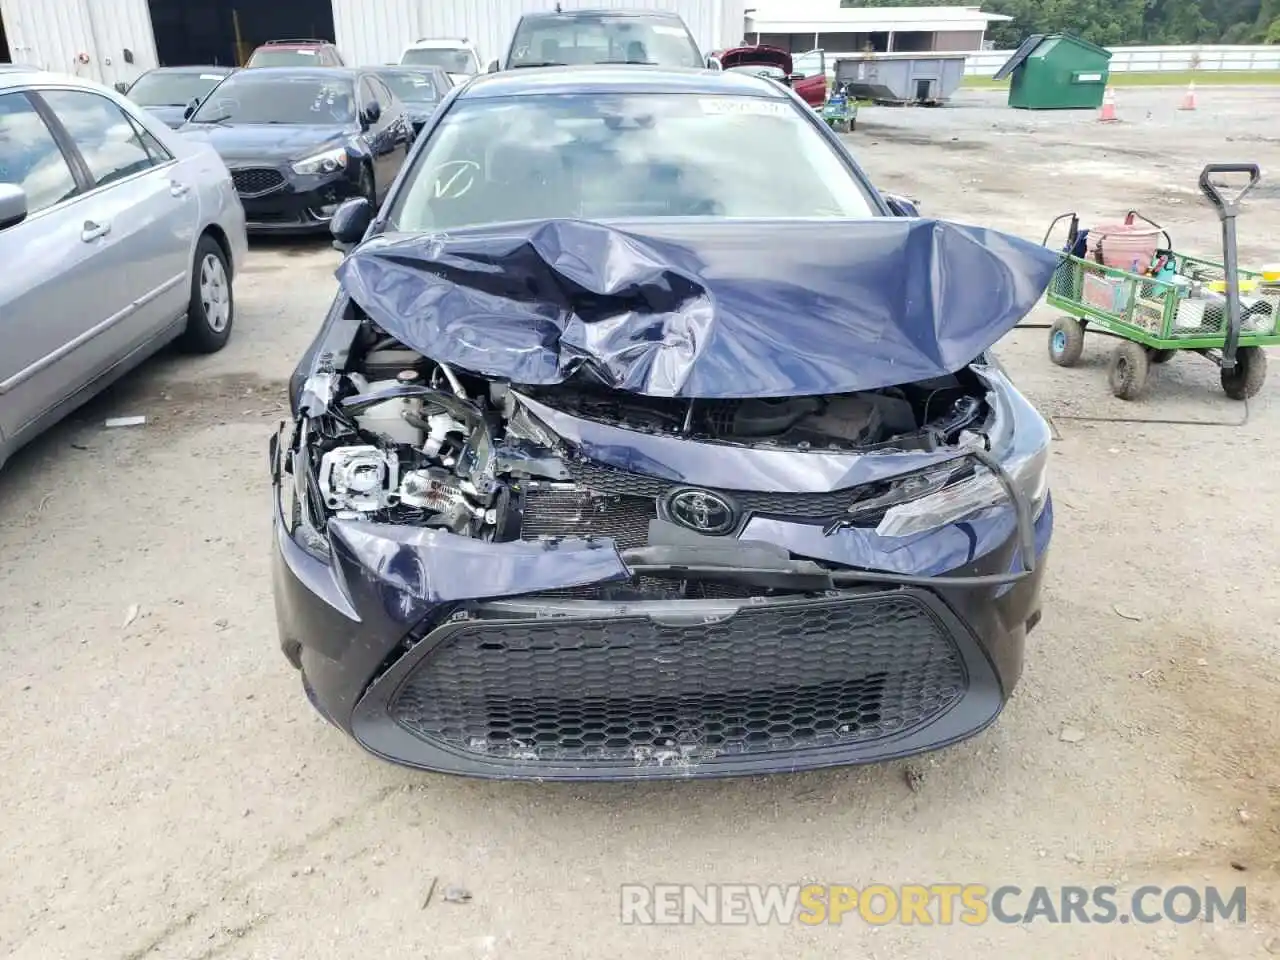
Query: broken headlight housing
(1019, 441)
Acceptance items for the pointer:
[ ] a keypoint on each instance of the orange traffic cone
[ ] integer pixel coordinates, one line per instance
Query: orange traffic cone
(1108, 113)
(1189, 98)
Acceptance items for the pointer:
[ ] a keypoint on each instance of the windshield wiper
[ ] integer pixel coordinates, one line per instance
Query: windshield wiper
(222, 119)
(537, 63)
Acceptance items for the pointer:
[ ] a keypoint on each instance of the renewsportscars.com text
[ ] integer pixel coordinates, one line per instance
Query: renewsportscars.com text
(926, 904)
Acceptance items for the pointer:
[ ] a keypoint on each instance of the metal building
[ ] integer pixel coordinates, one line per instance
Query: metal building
(116, 40)
(106, 40)
(800, 25)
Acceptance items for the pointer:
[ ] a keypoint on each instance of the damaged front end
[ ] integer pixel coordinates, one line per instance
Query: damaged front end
(547, 511)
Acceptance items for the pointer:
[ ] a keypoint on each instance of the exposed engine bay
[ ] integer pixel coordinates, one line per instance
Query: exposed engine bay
(400, 438)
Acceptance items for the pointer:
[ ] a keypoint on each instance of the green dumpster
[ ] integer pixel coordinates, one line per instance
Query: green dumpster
(1056, 71)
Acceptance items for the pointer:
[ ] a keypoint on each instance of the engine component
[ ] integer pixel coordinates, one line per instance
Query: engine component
(437, 491)
(770, 418)
(439, 426)
(362, 479)
(385, 364)
(854, 418)
(389, 418)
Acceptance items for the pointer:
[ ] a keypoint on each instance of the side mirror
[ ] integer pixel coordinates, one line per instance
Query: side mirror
(370, 114)
(13, 205)
(192, 106)
(351, 222)
(713, 63)
(901, 206)
(493, 67)
(121, 86)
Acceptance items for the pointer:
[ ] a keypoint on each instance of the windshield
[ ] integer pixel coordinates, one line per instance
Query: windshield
(411, 88)
(603, 39)
(451, 60)
(625, 155)
(252, 97)
(283, 58)
(172, 89)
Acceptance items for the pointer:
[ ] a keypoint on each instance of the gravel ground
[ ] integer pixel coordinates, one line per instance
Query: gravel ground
(169, 793)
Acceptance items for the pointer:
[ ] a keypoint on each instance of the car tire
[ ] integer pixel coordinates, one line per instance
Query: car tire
(1066, 341)
(1160, 356)
(1127, 373)
(368, 187)
(1249, 375)
(211, 311)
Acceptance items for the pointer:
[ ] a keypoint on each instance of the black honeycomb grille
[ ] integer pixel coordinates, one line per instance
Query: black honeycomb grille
(769, 679)
(252, 181)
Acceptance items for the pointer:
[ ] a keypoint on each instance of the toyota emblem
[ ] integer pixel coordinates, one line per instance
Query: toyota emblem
(702, 511)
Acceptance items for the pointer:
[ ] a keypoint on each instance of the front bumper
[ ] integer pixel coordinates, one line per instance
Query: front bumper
(538, 684)
(277, 200)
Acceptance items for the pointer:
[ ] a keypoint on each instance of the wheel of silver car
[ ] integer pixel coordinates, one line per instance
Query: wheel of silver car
(215, 293)
(211, 311)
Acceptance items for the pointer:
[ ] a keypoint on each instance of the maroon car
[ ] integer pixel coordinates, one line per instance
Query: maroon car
(776, 64)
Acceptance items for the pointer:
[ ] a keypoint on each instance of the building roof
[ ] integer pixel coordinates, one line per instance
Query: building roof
(827, 16)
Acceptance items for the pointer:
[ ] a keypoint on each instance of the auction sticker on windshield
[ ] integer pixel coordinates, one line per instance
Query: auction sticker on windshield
(750, 106)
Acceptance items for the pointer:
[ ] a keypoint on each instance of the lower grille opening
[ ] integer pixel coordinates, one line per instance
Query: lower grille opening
(653, 691)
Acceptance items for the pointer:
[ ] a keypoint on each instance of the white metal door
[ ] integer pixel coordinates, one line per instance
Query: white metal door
(85, 38)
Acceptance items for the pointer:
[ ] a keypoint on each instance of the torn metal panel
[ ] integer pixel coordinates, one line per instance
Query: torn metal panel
(437, 566)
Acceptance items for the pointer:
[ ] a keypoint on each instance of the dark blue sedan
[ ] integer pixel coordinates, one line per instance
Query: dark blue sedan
(173, 93)
(300, 140)
(646, 438)
(420, 89)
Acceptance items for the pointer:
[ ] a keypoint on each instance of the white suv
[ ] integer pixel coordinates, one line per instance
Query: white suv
(457, 57)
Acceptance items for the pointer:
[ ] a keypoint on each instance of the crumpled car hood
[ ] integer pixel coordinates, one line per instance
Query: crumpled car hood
(703, 308)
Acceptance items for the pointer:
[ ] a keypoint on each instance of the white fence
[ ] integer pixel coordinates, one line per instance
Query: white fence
(1155, 59)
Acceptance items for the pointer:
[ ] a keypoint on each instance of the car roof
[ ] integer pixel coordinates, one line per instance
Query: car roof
(311, 73)
(23, 76)
(601, 12)
(191, 69)
(440, 43)
(619, 78)
(407, 68)
(291, 44)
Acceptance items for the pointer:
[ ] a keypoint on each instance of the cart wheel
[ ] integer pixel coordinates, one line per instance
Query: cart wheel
(1249, 375)
(1160, 356)
(1066, 341)
(1128, 371)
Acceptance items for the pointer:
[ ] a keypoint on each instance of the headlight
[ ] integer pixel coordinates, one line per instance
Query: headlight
(1020, 443)
(963, 499)
(326, 162)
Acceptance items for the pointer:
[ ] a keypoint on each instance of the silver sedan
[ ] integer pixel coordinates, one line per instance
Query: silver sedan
(116, 237)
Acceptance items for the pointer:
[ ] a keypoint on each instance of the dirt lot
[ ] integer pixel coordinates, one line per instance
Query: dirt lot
(169, 793)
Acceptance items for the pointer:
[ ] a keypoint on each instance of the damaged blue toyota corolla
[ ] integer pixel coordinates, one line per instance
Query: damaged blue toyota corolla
(644, 440)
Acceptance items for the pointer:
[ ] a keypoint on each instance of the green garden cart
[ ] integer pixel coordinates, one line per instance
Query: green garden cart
(840, 111)
(1172, 304)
